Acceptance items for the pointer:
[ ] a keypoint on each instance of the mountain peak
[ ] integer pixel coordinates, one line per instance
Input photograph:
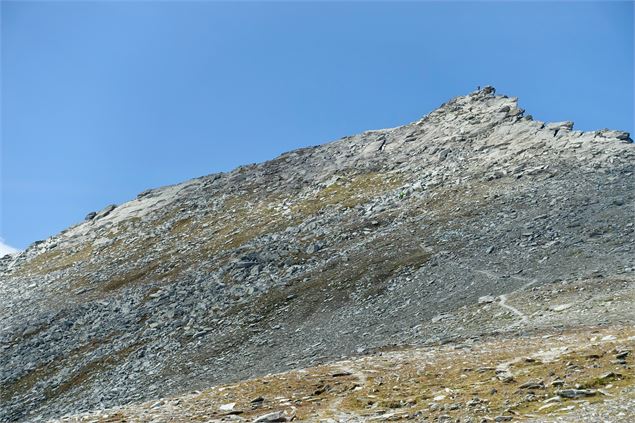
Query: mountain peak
(415, 235)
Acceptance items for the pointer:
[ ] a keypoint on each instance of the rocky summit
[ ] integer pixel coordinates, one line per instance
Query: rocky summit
(474, 265)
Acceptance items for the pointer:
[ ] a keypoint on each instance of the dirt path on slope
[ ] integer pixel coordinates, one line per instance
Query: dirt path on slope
(502, 299)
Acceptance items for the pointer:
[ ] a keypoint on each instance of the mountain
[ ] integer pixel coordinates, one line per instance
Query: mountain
(473, 227)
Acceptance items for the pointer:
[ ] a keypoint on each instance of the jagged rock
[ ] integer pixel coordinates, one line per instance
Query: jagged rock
(620, 135)
(622, 354)
(227, 407)
(560, 307)
(576, 393)
(486, 299)
(277, 416)
(104, 212)
(313, 248)
(246, 264)
(30, 331)
(532, 385)
(568, 125)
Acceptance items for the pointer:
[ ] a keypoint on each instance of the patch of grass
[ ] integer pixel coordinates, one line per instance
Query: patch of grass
(348, 192)
(54, 260)
(365, 274)
(90, 371)
(243, 217)
(181, 226)
(461, 382)
(128, 278)
(25, 383)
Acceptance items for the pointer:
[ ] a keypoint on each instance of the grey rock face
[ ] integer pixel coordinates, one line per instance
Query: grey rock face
(328, 251)
(576, 393)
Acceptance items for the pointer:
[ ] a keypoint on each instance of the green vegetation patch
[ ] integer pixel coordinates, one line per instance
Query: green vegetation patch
(54, 260)
(348, 192)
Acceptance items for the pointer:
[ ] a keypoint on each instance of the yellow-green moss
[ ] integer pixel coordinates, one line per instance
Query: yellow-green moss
(54, 260)
(348, 192)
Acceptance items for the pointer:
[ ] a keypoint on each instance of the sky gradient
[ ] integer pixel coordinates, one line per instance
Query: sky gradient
(102, 100)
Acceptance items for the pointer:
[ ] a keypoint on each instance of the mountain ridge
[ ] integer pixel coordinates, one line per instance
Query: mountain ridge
(327, 251)
(511, 108)
(514, 111)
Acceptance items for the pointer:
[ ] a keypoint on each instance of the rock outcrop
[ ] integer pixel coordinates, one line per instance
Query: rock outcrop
(374, 240)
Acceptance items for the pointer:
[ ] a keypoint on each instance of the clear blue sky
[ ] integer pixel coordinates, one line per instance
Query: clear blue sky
(101, 100)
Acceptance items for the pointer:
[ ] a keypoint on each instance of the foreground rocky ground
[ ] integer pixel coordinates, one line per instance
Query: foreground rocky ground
(530, 371)
(473, 229)
(579, 375)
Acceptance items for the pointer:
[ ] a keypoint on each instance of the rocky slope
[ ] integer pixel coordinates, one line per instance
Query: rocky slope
(573, 376)
(418, 235)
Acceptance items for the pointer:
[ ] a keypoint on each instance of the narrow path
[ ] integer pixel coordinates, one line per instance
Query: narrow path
(523, 317)
(335, 405)
(529, 283)
(502, 299)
